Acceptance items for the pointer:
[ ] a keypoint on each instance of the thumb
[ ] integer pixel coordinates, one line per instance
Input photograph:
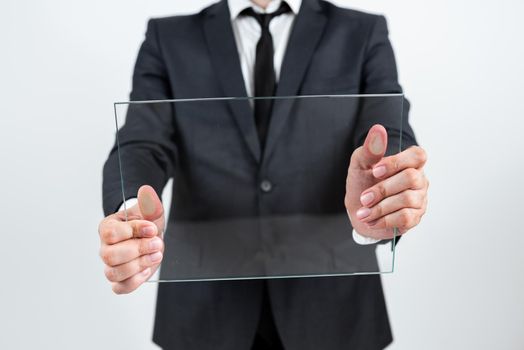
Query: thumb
(373, 149)
(150, 205)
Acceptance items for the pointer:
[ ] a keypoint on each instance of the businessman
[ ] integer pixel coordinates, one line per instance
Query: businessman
(261, 48)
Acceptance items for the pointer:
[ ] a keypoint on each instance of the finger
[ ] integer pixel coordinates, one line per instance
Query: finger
(413, 157)
(132, 283)
(122, 272)
(373, 149)
(149, 203)
(125, 251)
(407, 199)
(407, 179)
(113, 230)
(403, 219)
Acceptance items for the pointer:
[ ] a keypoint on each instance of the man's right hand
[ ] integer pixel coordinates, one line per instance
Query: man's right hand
(132, 250)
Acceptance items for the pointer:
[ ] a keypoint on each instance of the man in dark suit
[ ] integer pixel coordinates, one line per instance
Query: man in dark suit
(312, 47)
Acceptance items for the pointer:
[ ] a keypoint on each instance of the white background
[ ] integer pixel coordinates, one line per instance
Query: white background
(459, 282)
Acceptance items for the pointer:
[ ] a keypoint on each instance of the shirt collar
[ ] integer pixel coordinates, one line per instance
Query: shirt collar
(237, 6)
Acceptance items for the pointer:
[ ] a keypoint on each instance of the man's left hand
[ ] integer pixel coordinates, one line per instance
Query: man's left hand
(384, 193)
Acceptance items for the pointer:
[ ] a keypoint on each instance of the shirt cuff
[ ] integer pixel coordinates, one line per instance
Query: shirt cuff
(128, 203)
(363, 240)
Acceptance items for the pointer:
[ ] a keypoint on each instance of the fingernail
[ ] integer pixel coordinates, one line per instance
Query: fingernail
(146, 272)
(148, 231)
(363, 213)
(155, 257)
(367, 198)
(155, 244)
(376, 146)
(379, 171)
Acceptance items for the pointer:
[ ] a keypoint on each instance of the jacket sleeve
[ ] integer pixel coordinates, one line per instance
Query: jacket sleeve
(147, 145)
(379, 76)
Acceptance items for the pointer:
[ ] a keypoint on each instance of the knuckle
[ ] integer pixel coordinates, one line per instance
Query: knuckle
(412, 199)
(412, 176)
(394, 164)
(387, 221)
(381, 189)
(102, 252)
(144, 262)
(107, 256)
(420, 182)
(404, 218)
(107, 232)
(101, 227)
(378, 211)
(134, 227)
(420, 155)
(111, 274)
(424, 206)
(127, 229)
(409, 200)
(143, 246)
(421, 200)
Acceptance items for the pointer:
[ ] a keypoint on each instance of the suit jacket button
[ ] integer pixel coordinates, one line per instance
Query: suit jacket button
(266, 186)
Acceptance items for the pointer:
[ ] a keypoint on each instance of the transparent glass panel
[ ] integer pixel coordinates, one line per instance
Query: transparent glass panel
(240, 210)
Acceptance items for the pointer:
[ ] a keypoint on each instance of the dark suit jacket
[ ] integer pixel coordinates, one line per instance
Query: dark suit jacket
(330, 51)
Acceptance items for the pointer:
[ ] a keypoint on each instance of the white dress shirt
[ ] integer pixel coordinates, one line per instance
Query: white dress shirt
(247, 31)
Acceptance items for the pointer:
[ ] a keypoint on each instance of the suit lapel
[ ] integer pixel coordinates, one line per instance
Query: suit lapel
(307, 30)
(226, 63)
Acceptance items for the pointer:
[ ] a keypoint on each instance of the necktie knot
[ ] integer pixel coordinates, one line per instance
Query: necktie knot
(264, 18)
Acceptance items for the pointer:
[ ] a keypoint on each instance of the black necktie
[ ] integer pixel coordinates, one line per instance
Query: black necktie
(265, 79)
